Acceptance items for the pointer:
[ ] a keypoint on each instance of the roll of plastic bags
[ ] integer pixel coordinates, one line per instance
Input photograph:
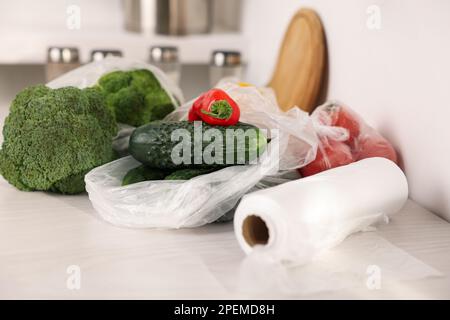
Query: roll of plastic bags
(292, 232)
(295, 221)
(206, 198)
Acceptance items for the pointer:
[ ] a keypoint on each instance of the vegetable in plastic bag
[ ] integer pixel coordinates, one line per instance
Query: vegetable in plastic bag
(89, 74)
(152, 144)
(215, 107)
(330, 154)
(205, 198)
(136, 96)
(142, 173)
(344, 138)
(186, 174)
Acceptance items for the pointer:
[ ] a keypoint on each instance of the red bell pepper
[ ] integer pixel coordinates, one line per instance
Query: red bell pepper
(215, 107)
(192, 115)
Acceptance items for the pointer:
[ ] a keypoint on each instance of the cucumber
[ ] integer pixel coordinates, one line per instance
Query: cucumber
(142, 173)
(152, 144)
(186, 174)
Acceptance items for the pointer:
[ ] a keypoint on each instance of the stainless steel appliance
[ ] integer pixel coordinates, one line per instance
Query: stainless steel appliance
(182, 17)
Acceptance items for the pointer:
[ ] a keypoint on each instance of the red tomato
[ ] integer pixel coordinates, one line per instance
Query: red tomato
(374, 145)
(344, 118)
(333, 154)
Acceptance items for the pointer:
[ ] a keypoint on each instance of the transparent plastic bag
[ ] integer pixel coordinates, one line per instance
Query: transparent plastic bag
(206, 198)
(364, 261)
(88, 75)
(344, 138)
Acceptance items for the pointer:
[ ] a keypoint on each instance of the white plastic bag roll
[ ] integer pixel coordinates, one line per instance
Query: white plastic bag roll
(297, 220)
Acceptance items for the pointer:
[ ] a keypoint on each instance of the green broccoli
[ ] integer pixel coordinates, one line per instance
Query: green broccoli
(53, 137)
(136, 96)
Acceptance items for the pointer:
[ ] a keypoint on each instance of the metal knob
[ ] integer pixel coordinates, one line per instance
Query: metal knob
(63, 55)
(100, 54)
(61, 60)
(225, 58)
(163, 54)
(224, 64)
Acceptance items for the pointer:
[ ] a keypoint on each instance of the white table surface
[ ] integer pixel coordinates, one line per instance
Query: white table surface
(42, 234)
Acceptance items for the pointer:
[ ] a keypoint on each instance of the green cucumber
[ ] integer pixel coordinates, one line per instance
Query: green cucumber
(142, 173)
(186, 174)
(153, 143)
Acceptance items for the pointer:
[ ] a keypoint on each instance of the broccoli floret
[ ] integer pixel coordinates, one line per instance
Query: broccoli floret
(136, 96)
(53, 137)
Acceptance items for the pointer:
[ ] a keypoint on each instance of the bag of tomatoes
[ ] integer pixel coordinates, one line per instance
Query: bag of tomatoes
(344, 138)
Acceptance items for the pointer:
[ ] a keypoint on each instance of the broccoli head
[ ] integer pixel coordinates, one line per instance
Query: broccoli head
(136, 96)
(53, 137)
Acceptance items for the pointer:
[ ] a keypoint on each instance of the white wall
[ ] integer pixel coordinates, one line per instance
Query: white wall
(397, 77)
(52, 14)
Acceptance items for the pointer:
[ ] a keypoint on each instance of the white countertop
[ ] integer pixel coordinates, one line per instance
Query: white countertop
(42, 234)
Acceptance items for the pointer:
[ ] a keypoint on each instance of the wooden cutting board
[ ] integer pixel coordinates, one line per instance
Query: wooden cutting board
(299, 72)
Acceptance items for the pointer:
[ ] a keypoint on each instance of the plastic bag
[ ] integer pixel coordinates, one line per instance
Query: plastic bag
(88, 75)
(204, 199)
(344, 138)
(364, 261)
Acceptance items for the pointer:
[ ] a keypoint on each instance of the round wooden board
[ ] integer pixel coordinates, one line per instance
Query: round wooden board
(300, 68)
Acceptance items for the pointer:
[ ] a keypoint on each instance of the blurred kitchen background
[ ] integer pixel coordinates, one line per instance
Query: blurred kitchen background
(44, 38)
(396, 74)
